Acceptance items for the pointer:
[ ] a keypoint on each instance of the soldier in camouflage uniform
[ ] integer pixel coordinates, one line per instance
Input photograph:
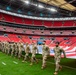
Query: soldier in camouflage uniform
(12, 48)
(27, 51)
(4, 46)
(3, 50)
(0, 46)
(16, 49)
(45, 54)
(7, 50)
(34, 51)
(20, 48)
(58, 51)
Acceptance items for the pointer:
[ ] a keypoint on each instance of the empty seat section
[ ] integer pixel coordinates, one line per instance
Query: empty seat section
(26, 37)
(74, 23)
(57, 23)
(12, 35)
(2, 38)
(1, 16)
(8, 18)
(48, 23)
(34, 41)
(26, 40)
(28, 21)
(18, 20)
(1, 28)
(38, 23)
(13, 38)
(10, 29)
(60, 39)
(19, 30)
(35, 37)
(46, 32)
(68, 23)
(38, 32)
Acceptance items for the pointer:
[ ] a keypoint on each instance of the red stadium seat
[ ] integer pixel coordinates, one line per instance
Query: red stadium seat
(57, 23)
(68, 23)
(38, 23)
(28, 21)
(1, 16)
(3, 38)
(8, 18)
(18, 20)
(48, 23)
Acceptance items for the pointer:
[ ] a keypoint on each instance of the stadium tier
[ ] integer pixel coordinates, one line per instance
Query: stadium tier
(37, 32)
(25, 21)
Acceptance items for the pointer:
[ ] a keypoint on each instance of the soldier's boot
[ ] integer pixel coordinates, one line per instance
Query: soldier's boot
(55, 73)
(43, 67)
(8, 52)
(12, 53)
(25, 58)
(32, 61)
(60, 68)
(36, 60)
(44, 63)
(15, 53)
(24, 61)
(19, 56)
(5, 51)
(31, 64)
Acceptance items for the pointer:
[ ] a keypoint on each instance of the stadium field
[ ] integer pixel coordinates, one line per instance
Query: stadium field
(13, 66)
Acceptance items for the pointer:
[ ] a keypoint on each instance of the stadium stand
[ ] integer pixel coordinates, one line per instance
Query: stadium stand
(25, 21)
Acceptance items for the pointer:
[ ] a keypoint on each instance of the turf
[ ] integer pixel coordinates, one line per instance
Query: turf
(25, 69)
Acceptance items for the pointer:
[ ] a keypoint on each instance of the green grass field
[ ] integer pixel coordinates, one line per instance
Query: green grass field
(19, 68)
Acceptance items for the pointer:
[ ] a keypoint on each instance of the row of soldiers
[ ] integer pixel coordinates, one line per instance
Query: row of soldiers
(17, 48)
(11, 48)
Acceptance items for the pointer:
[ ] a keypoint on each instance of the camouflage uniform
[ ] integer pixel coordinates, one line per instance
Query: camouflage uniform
(34, 50)
(20, 45)
(1, 46)
(12, 49)
(7, 50)
(16, 49)
(58, 51)
(27, 51)
(45, 54)
(4, 46)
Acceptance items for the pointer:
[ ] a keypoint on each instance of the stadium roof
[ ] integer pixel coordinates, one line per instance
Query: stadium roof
(65, 4)
(43, 8)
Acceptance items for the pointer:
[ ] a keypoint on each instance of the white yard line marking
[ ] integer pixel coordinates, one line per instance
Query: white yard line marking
(15, 62)
(3, 63)
(64, 66)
